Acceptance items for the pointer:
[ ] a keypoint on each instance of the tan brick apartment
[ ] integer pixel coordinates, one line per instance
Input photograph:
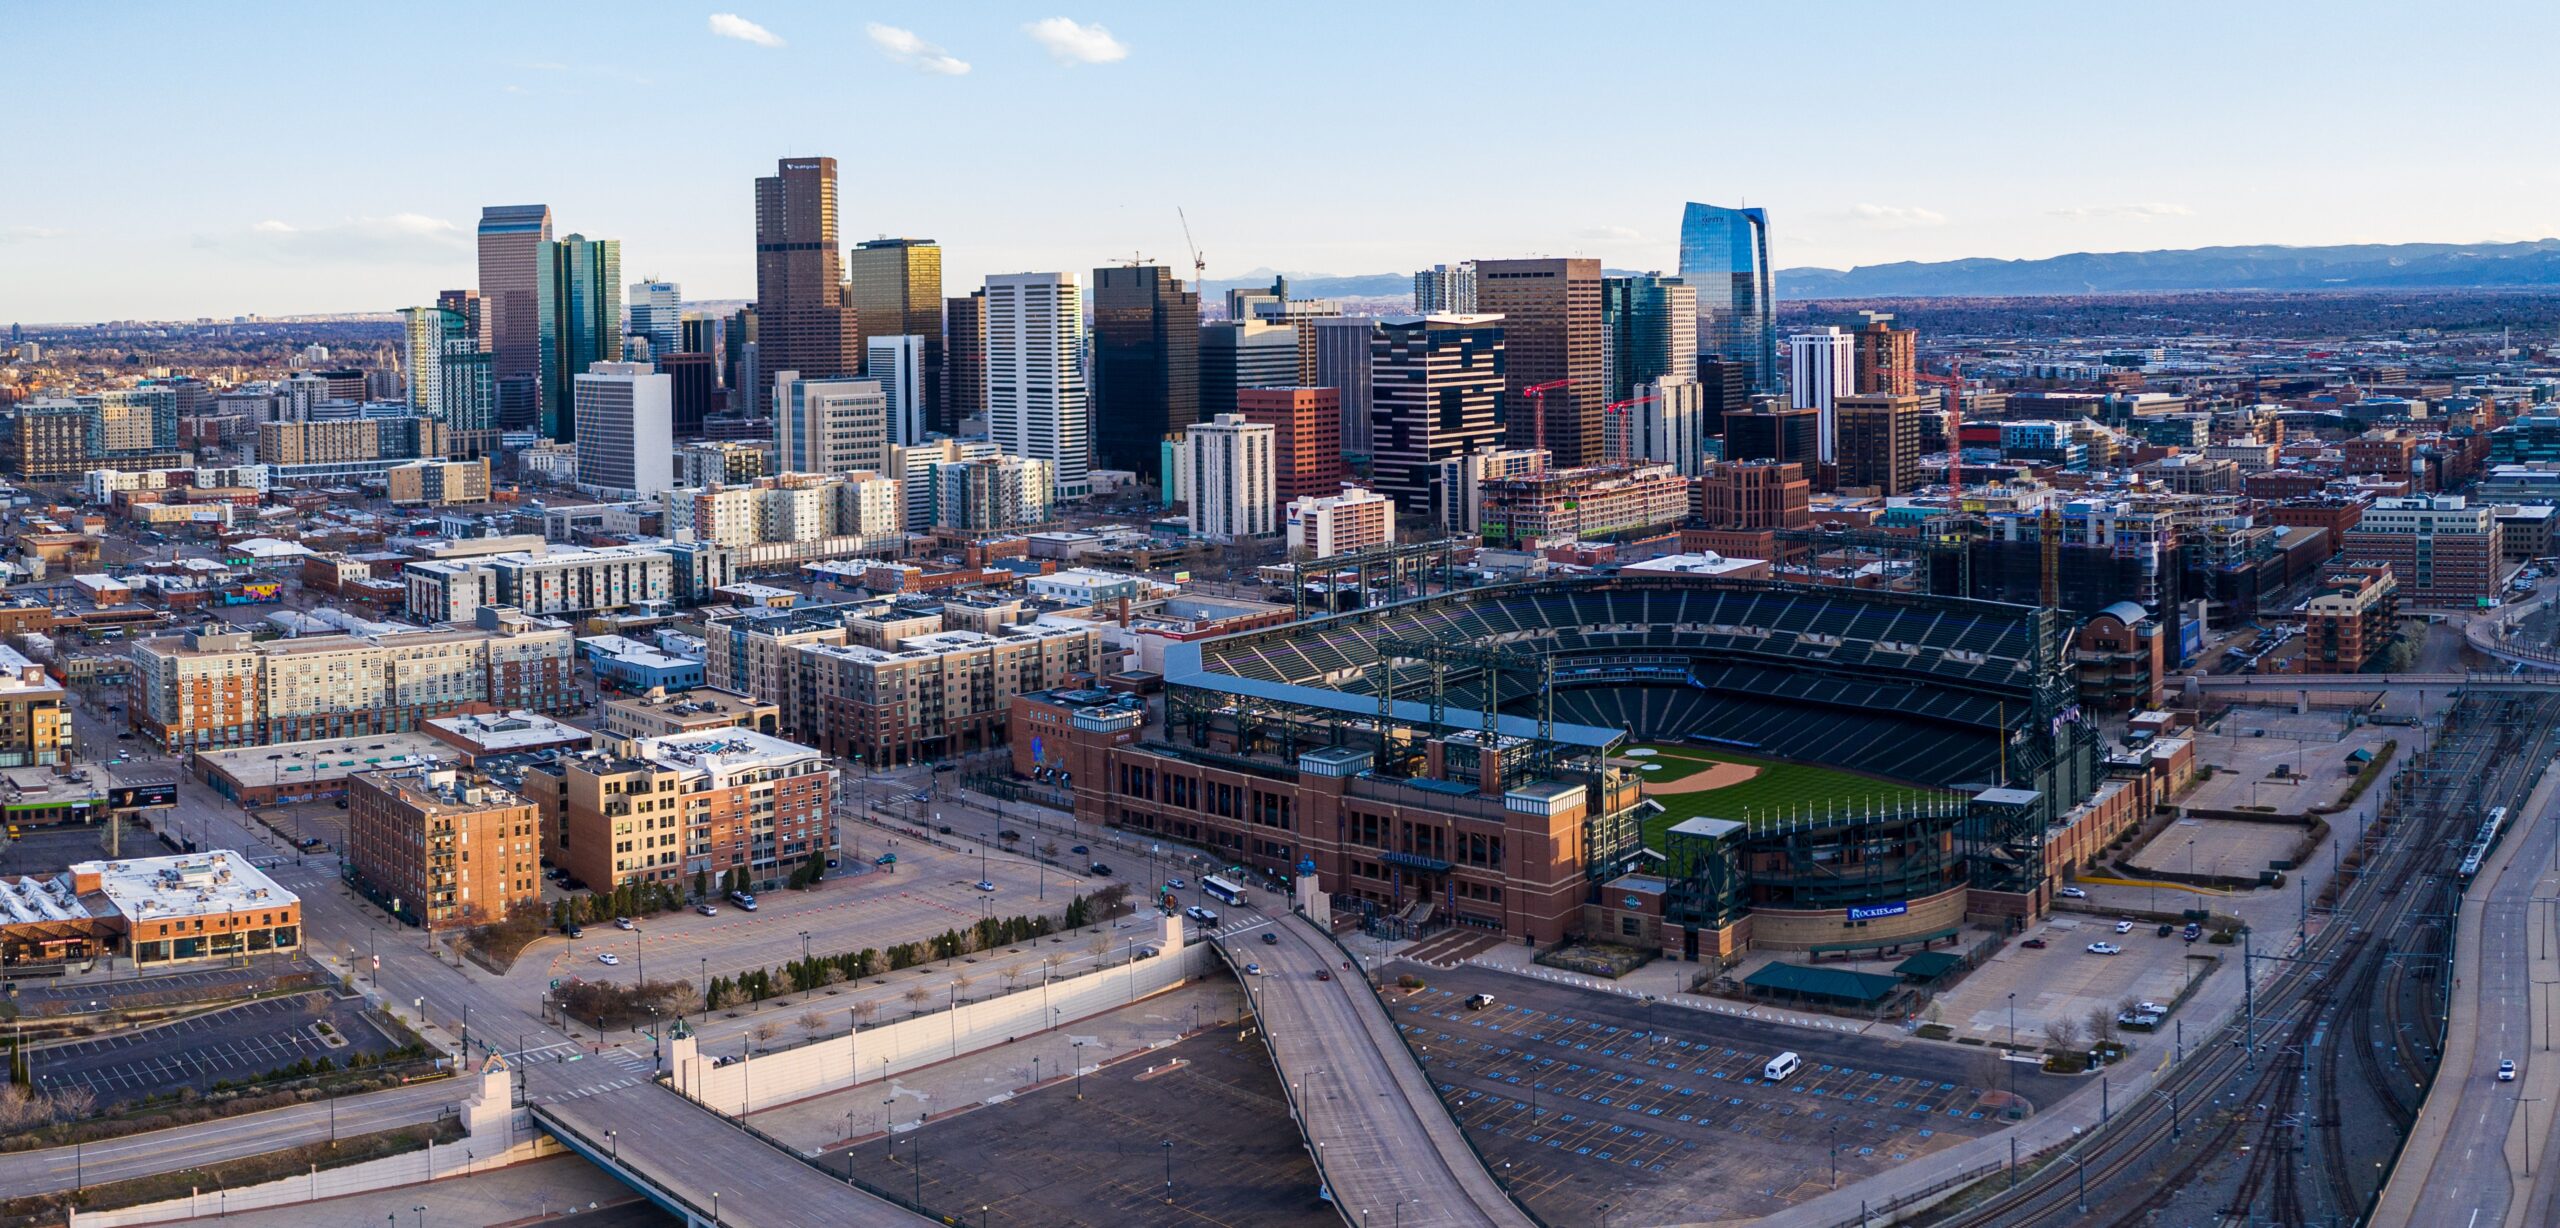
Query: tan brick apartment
(665, 809)
(2352, 619)
(443, 847)
(700, 710)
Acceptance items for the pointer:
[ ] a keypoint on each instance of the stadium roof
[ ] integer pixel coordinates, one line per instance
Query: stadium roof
(1834, 984)
(1182, 668)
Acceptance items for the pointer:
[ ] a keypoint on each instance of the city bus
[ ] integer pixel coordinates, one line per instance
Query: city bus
(1221, 890)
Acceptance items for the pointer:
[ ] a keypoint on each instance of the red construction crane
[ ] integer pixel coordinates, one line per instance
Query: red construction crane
(1953, 382)
(1626, 438)
(1538, 393)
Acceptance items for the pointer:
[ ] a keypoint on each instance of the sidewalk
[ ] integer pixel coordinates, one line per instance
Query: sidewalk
(544, 1189)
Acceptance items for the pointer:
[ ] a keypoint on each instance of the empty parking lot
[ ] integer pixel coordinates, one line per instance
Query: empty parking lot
(237, 1044)
(1663, 1114)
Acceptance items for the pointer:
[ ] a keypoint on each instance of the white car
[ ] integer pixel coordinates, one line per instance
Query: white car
(2105, 948)
(2072, 893)
(2150, 1008)
(984, 885)
(2507, 1070)
(609, 958)
(2124, 927)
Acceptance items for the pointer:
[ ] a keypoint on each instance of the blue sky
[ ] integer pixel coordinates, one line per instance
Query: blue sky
(175, 160)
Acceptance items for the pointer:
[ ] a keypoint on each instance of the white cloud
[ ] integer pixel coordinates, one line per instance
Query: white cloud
(1071, 43)
(730, 25)
(1897, 216)
(397, 237)
(29, 234)
(2133, 210)
(904, 47)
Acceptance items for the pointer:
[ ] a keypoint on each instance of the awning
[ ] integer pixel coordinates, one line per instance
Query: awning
(1830, 984)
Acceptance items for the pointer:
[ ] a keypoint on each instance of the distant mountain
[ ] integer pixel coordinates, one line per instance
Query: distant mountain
(2364, 266)
(1316, 285)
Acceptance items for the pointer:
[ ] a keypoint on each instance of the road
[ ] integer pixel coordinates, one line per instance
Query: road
(229, 1138)
(1382, 1138)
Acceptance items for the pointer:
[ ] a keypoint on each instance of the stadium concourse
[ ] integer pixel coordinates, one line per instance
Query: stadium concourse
(1478, 759)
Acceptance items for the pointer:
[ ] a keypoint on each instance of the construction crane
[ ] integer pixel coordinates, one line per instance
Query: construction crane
(1199, 263)
(1537, 393)
(1616, 411)
(1953, 382)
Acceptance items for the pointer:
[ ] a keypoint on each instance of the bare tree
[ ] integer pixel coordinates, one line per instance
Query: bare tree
(678, 997)
(2102, 1024)
(766, 1031)
(960, 987)
(21, 1109)
(2062, 1035)
(74, 1102)
(864, 1012)
(811, 1022)
(917, 996)
(832, 976)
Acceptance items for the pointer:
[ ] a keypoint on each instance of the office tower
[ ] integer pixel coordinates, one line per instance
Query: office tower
(964, 362)
(625, 428)
(449, 377)
(1888, 358)
(1306, 440)
(1725, 254)
(1445, 289)
(829, 425)
(582, 312)
(691, 389)
(1551, 332)
(896, 290)
(697, 333)
(1243, 354)
(804, 323)
(1035, 374)
(1231, 474)
(1822, 366)
(1768, 433)
(897, 364)
(1726, 387)
(422, 355)
(1342, 364)
(514, 268)
(656, 313)
(1146, 362)
(1665, 422)
(466, 303)
(1651, 326)
(1435, 383)
(1879, 442)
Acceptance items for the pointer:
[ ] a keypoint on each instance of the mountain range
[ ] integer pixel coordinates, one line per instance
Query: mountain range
(2361, 266)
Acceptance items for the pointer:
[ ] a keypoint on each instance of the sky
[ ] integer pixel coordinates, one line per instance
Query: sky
(176, 160)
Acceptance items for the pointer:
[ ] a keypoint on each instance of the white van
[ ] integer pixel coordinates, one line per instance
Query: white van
(1781, 1066)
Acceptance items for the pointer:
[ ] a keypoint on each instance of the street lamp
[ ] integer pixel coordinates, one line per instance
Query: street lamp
(715, 1209)
(1168, 1168)
(613, 1141)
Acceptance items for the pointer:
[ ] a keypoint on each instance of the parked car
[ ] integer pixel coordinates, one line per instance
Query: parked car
(2124, 927)
(575, 931)
(2105, 948)
(708, 910)
(1480, 1002)
(2035, 944)
(885, 859)
(945, 829)
(2072, 893)
(608, 958)
(2167, 929)
(2138, 1019)
(2150, 1008)
(984, 885)
(743, 899)
(2192, 932)
(623, 923)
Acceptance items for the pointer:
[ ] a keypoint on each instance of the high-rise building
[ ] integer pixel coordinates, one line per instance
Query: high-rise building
(1342, 364)
(582, 309)
(1351, 520)
(1306, 441)
(1666, 422)
(625, 428)
(897, 364)
(1879, 441)
(1888, 358)
(1822, 367)
(1146, 362)
(449, 376)
(466, 303)
(803, 322)
(697, 333)
(992, 496)
(657, 313)
(916, 467)
(1755, 495)
(514, 267)
(1727, 388)
(1650, 324)
(896, 289)
(1725, 254)
(1766, 432)
(1231, 468)
(740, 362)
(1435, 383)
(1445, 289)
(964, 362)
(422, 331)
(829, 425)
(692, 387)
(1550, 312)
(1035, 374)
(1243, 354)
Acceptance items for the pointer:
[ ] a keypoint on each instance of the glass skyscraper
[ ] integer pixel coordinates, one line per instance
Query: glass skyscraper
(581, 322)
(1724, 253)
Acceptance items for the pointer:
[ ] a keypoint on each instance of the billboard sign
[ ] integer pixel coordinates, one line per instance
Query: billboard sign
(1869, 912)
(135, 797)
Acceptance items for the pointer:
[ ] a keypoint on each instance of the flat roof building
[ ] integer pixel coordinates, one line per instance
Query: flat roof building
(442, 848)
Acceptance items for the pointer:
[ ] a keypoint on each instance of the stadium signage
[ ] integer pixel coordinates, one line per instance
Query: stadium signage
(1869, 912)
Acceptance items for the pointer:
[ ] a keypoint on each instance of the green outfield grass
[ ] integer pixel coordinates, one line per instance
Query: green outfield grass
(1765, 796)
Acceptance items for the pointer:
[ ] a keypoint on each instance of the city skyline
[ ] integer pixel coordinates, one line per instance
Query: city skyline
(392, 223)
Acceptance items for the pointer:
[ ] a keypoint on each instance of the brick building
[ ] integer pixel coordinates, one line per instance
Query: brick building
(2443, 549)
(2352, 620)
(667, 809)
(443, 848)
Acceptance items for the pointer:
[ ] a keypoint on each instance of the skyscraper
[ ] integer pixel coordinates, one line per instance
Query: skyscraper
(1822, 366)
(1342, 364)
(697, 333)
(625, 429)
(1665, 425)
(656, 313)
(1888, 358)
(740, 363)
(1146, 362)
(804, 323)
(829, 425)
(896, 289)
(1879, 443)
(964, 363)
(1550, 312)
(466, 303)
(1725, 254)
(513, 268)
(1243, 354)
(449, 377)
(897, 365)
(1435, 382)
(1306, 440)
(692, 388)
(582, 322)
(1651, 326)
(1231, 470)
(1035, 374)
(1445, 289)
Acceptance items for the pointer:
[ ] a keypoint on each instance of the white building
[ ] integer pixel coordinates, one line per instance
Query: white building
(656, 314)
(1035, 374)
(1667, 423)
(829, 425)
(1445, 288)
(1356, 519)
(915, 466)
(1233, 490)
(1822, 365)
(898, 364)
(626, 428)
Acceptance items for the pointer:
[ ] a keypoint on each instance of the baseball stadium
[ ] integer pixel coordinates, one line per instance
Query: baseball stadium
(1711, 764)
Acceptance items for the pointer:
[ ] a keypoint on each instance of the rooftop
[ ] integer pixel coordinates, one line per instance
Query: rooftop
(519, 730)
(324, 758)
(190, 885)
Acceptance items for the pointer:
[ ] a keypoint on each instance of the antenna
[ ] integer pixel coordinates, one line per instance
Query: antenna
(1199, 264)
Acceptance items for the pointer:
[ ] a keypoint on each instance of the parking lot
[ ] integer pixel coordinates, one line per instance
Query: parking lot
(2065, 982)
(1663, 1114)
(236, 1044)
(46, 850)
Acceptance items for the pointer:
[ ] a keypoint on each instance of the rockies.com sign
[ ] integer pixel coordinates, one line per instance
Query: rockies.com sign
(1869, 912)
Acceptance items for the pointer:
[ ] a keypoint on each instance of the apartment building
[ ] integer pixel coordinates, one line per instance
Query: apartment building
(930, 696)
(443, 848)
(1329, 525)
(700, 710)
(35, 720)
(667, 809)
(1562, 506)
(542, 583)
(2352, 620)
(749, 653)
(2443, 550)
(800, 516)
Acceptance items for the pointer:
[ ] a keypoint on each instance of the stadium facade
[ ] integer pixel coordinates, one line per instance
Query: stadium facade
(1361, 747)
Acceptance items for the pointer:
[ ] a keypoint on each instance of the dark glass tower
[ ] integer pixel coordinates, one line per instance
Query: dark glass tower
(1725, 254)
(1146, 357)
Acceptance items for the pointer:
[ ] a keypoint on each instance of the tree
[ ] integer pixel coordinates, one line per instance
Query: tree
(765, 1032)
(864, 1012)
(2102, 1024)
(701, 884)
(917, 996)
(960, 986)
(2062, 1035)
(811, 1022)
(680, 998)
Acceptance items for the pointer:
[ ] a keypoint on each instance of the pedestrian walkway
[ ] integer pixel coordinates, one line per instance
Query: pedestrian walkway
(522, 1193)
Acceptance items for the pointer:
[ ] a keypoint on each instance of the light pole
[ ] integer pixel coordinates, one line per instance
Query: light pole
(613, 1142)
(2080, 1169)
(1168, 1167)
(715, 1209)
(2013, 1042)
